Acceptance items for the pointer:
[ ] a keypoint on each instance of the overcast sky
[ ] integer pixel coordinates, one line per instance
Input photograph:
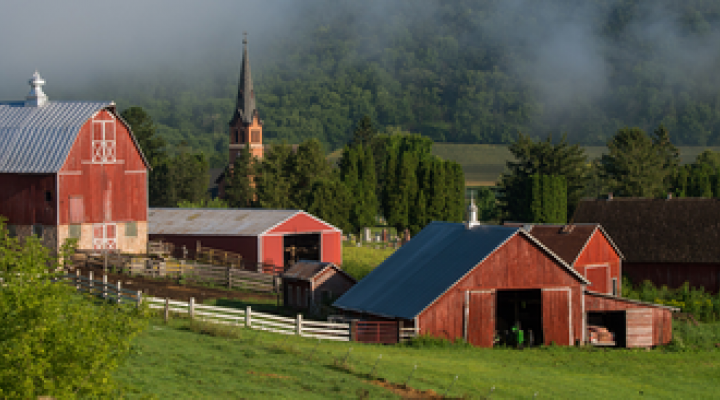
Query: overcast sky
(72, 41)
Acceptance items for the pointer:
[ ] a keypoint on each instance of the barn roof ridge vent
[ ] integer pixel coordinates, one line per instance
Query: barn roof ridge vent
(36, 97)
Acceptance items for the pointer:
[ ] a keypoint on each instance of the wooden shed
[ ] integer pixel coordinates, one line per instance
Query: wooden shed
(666, 241)
(309, 283)
(72, 169)
(274, 237)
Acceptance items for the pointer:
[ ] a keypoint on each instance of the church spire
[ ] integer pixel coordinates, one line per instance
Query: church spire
(245, 108)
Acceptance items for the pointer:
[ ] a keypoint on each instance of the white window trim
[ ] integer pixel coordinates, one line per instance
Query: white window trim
(104, 151)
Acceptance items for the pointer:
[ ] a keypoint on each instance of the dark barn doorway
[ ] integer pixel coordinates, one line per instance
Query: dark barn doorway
(614, 321)
(521, 309)
(304, 246)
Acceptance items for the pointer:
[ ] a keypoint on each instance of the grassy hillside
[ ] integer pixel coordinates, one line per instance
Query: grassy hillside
(176, 362)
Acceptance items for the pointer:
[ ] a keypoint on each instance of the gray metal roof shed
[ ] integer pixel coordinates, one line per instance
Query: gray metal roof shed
(215, 221)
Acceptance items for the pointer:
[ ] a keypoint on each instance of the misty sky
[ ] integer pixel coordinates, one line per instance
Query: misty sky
(71, 41)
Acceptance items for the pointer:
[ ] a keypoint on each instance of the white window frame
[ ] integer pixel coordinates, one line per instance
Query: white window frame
(105, 243)
(104, 150)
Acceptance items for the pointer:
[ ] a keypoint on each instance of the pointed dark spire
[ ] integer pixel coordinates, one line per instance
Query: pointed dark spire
(245, 106)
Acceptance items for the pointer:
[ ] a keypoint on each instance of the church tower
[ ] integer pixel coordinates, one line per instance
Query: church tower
(245, 125)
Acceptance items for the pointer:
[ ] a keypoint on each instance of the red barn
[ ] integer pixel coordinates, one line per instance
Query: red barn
(276, 237)
(477, 282)
(587, 248)
(666, 241)
(72, 170)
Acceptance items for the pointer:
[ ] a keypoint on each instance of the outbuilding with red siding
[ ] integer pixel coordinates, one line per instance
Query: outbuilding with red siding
(274, 237)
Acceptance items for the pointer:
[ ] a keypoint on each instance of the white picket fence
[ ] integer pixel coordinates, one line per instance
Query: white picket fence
(254, 319)
(221, 315)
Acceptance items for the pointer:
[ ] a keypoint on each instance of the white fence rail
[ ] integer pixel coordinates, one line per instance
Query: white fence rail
(253, 319)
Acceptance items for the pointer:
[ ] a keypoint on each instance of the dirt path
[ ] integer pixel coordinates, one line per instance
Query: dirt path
(170, 289)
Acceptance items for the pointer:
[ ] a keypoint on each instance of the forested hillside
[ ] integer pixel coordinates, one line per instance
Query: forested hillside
(467, 71)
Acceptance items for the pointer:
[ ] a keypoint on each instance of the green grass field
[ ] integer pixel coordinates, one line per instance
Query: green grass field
(359, 261)
(176, 362)
(483, 163)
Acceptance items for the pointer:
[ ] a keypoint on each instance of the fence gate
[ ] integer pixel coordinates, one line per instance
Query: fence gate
(376, 332)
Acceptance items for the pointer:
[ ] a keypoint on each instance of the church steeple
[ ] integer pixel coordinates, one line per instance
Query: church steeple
(245, 108)
(245, 125)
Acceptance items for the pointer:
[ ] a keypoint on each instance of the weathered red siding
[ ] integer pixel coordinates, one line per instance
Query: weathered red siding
(597, 252)
(301, 223)
(273, 251)
(481, 318)
(662, 317)
(23, 201)
(557, 314)
(243, 245)
(114, 192)
(518, 264)
(331, 247)
(674, 275)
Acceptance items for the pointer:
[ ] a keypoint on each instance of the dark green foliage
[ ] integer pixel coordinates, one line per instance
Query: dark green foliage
(486, 203)
(543, 158)
(239, 192)
(546, 199)
(330, 200)
(635, 166)
(307, 165)
(273, 180)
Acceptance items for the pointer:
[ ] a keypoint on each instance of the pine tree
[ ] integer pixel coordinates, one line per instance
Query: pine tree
(634, 168)
(668, 152)
(439, 191)
(329, 200)
(350, 176)
(307, 165)
(391, 189)
(457, 192)
(272, 184)
(368, 182)
(240, 191)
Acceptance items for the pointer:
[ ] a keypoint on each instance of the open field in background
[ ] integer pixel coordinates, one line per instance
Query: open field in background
(359, 261)
(483, 163)
(174, 362)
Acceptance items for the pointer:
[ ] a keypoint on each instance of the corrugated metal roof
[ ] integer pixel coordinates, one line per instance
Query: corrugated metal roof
(214, 221)
(306, 270)
(38, 139)
(423, 269)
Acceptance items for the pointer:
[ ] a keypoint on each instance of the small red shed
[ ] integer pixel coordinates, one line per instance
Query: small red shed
(275, 237)
(311, 283)
(71, 169)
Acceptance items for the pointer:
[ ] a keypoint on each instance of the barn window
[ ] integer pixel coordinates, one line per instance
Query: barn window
(74, 231)
(37, 230)
(614, 286)
(255, 133)
(76, 209)
(12, 230)
(103, 143)
(131, 229)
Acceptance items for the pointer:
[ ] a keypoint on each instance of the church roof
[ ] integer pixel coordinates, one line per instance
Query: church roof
(245, 107)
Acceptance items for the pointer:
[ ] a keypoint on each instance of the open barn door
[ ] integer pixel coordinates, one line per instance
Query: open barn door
(556, 318)
(480, 318)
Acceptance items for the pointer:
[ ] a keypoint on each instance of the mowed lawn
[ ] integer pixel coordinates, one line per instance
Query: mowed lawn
(172, 362)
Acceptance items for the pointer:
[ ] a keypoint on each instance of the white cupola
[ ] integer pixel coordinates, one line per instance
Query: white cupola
(36, 97)
(472, 214)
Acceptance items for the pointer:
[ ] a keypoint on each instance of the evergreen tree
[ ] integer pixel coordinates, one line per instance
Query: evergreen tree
(329, 200)
(546, 199)
(391, 189)
(407, 190)
(439, 192)
(668, 152)
(187, 177)
(240, 191)
(364, 133)
(350, 176)
(457, 192)
(368, 183)
(634, 167)
(307, 165)
(272, 183)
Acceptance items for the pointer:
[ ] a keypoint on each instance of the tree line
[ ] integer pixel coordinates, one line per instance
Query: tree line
(391, 176)
(547, 179)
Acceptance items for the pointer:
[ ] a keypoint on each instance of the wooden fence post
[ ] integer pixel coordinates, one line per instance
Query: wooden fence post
(139, 298)
(248, 317)
(118, 291)
(198, 248)
(353, 330)
(400, 331)
(77, 279)
(90, 282)
(104, 288)
(167, 309)
(298, 325)
(192, 307)
(185, 252)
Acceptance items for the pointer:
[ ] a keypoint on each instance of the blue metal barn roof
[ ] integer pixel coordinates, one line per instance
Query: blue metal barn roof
(39, 139)
(415, 275)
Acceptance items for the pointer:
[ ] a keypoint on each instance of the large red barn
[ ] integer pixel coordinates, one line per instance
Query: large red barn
(276, 237)
(72, 169)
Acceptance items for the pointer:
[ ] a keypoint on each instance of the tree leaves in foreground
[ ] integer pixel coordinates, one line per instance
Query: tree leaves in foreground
(54, 341)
